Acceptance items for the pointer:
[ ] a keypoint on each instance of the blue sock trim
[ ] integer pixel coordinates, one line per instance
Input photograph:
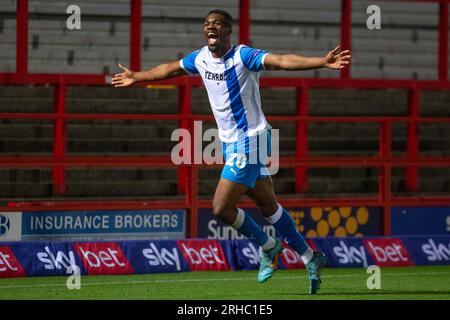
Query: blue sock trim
(253, 231)
(286, 228)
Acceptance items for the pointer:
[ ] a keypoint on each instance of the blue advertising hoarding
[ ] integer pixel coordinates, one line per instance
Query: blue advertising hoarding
(311, 222)
(103, 225)
(56, 258)
(420, 220)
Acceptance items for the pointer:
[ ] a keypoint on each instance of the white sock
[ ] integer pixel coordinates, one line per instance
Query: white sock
(276, 216)
(239, 219)
(307, 256)
(270, 244)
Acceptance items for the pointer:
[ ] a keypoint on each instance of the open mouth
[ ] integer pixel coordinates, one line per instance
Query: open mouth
(212, 38)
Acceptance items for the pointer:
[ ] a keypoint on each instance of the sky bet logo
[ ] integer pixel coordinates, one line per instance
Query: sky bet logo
(162, 257)
(436, 251)
(9, 266)
(103, 258)
(351, 255)
(289, 257)
(5, 225)
(388, 252)
(203, 255)
(383, 252)
(56, 260)
(252, 253)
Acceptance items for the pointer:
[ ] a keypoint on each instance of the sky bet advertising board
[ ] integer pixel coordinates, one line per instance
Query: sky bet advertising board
(311, 222)
(59, 258)
(92, 225)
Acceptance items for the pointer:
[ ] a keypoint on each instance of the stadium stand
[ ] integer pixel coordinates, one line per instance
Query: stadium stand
(404, 49)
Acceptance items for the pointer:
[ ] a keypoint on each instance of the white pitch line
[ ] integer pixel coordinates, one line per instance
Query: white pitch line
(214, 279)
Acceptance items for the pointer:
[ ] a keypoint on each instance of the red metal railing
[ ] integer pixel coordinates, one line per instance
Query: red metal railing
(346, 28)
(135, 34)
(22, 37)
(188, 174)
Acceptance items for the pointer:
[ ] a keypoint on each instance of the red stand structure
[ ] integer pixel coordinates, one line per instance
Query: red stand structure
(59, 161)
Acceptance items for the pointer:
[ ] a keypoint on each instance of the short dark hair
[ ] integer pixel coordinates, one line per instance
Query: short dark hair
(225, 14)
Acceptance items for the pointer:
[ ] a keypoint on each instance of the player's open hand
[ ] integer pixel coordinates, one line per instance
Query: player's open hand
(123, 79)
(337, 60)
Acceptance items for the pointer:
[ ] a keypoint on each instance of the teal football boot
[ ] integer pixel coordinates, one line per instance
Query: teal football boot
(314, 267)
(269, 262)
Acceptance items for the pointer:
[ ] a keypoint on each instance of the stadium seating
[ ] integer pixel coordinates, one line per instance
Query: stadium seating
(126, 137)
(172, 29)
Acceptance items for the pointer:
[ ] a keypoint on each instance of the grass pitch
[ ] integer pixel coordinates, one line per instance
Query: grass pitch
(406, 283)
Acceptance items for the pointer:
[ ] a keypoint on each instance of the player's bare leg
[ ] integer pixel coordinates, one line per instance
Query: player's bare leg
(264, 198)
(226, 196)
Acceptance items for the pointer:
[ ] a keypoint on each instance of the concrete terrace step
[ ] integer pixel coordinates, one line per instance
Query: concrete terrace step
(131, 93)
(395, 47)
(26, 131)
(161, 143)
(206, 187)
(159, 129)
(119, 8)
(323, 186)
(90, 189)
(26, 190)
(23, 92)
(435, 103)
(322, 174)
(374, 72)
(26, 105)
(123, 146)
(169, 187)
(26, 147)
(121, 131)
(117, 175)
(101, 175)
(365, 57)
(25, 175)
(139, 129)
(275, 101)
(124, 106)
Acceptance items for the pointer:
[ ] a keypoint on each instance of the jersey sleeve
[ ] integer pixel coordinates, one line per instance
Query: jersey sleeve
(252, 58)
(188, 62)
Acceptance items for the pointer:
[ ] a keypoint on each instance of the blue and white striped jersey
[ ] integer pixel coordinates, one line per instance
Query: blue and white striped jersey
(233, 91)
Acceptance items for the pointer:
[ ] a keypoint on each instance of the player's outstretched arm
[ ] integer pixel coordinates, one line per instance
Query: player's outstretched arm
(161, 72)
(335, 59)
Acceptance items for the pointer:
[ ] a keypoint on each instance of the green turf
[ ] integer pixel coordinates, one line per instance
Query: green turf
(396, 283)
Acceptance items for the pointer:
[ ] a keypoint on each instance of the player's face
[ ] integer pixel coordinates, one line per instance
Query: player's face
(216, 32)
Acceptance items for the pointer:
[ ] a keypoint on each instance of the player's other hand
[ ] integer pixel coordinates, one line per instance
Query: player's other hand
(337, 60)
(123, 79)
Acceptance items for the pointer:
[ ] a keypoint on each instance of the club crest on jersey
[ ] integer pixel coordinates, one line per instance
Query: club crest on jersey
(229, 63)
